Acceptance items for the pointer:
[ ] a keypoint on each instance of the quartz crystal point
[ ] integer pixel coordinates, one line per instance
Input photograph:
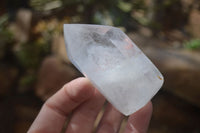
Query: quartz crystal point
(114, 65)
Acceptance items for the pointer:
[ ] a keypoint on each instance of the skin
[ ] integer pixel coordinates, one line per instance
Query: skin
(80, 99)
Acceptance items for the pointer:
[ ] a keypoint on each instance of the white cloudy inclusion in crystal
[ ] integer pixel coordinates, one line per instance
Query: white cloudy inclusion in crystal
(114, 64)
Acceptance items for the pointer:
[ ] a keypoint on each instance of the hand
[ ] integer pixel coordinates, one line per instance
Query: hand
(81, 98)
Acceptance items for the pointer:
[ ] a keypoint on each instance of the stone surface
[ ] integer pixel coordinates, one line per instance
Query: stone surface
(53, 74)
(181, 69)
(114, 64)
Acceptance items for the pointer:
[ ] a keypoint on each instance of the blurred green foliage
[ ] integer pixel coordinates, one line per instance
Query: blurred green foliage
(30, 54)
(27, 80)
(125, 6)
(3, 20)
(43, 5)
(193, 44)
(6, 36)
(107, 12)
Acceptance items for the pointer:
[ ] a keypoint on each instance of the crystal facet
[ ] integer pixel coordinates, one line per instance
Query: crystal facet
(114, 64)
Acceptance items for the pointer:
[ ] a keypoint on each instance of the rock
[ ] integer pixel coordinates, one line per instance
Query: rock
(194, 25)
(53, 75)
(181, 70)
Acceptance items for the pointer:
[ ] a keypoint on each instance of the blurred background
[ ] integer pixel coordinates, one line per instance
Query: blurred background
(34, 64)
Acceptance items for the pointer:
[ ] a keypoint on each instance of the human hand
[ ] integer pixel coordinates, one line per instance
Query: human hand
(81, 98)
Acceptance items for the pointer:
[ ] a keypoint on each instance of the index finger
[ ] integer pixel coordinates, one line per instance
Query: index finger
(56, 109)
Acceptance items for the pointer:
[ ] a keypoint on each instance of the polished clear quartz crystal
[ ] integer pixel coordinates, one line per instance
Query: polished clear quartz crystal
(114, 64)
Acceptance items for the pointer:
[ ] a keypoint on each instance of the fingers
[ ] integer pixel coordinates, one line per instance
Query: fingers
(139, 121)
(55, 110)
(111, 121)
(83, 118)
(85, 102)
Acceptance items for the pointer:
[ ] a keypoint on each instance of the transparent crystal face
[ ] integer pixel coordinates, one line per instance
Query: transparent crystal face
(114, 64)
